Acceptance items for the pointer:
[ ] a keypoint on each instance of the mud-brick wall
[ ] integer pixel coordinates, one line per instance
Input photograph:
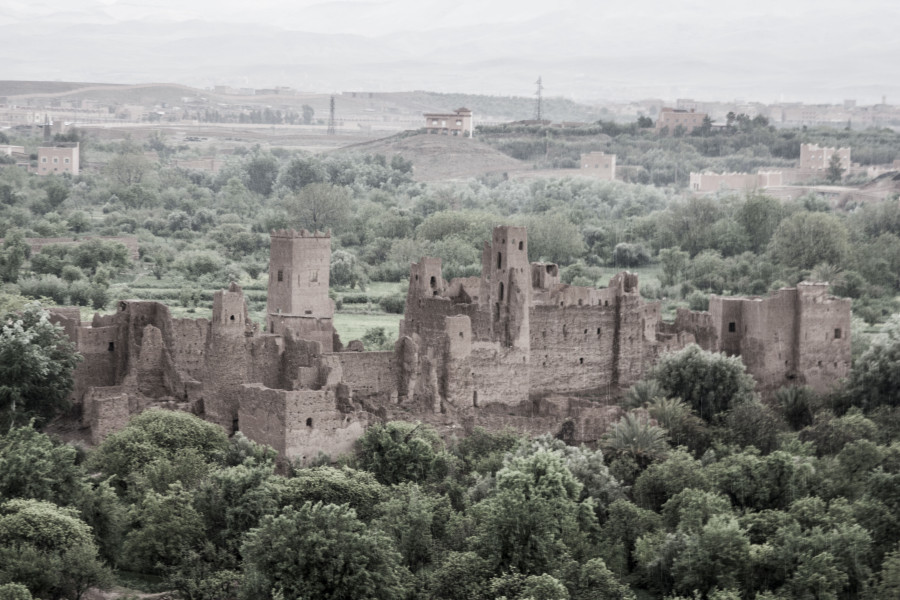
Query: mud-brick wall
(313, 426)
(572, 349)
(261, 415)
(264, 361)
(499, 375)
(106, 410)
(698, 324)
(100, 365)
(824, 338)
(727, 318)
(188, 344)
(767, 332)
(369, 374)
(226, 368)
(631, 342)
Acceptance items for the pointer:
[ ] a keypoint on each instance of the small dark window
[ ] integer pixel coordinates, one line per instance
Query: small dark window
(475, 398)
(521, 245)
(580, 302)
(272, 327)
(309, 422)
(461, 334)
(307, 312)
(731, 327)
(235, 426)
(499, 259)
(598, 331)
(280, 275)
(606, 303)
(231, 318)
(433, 281)
(111, 347)
(580, 361)
(501, 290)
(837, 334)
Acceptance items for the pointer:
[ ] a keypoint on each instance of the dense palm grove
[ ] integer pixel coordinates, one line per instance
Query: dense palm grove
(700, 489)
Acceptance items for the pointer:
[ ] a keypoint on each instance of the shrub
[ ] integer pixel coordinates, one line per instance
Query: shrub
(395, 304)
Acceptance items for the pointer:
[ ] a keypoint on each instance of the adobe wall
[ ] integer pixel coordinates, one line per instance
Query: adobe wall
(188, 344)
(573, 350)
(106, 410)
(823, 336)
(370, 375)
(767, 333)
(299, 424)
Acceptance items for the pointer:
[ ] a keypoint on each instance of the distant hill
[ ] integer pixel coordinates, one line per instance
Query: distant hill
(441, 157)
(30, 88)
(486, 107)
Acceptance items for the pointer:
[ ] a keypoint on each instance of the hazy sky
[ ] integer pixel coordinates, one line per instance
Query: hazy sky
(759, 49)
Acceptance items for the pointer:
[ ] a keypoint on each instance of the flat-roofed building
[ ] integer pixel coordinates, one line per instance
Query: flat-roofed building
(599, 164)
(671, 118)
(458, 122)
(58, 158)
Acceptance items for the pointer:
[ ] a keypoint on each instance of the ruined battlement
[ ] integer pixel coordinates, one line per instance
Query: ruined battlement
(486, 350)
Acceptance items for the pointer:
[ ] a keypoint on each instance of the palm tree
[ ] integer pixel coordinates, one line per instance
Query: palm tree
(635, 437)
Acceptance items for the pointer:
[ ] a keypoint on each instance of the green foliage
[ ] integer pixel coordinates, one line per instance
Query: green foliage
(164, 528)
(806, 239)
(160, 446)
(320, 551)
(12, 255)
(460, 576)
(357, 489)
(533, 518)
(376, 339)
(48, 549)
(396, 452)
(710, 383)
(318, 207)
(875, 377)
(633, 436)
(346, 270)
(14, 591)
(36, 364)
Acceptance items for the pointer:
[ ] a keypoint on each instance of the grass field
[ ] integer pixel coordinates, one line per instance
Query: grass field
(354, 326)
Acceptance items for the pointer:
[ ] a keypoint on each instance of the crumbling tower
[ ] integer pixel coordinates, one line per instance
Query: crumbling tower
(226, 367)
(510, 287)
(299, 266)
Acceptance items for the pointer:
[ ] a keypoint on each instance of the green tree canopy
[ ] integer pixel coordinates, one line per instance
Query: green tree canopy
(321, 551)
(806, 239)
(36, 365)
(48, 549)
(710, 383)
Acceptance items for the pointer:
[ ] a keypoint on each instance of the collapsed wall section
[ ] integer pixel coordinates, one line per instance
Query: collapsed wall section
(299, 424)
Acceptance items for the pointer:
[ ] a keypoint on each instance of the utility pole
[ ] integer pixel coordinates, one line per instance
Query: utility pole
(331, 129)
(538, 112)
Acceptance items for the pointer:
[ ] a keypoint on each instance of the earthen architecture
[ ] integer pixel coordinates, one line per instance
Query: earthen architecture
(818, 158)
(514, 347)
(743, 182)
(671, 118)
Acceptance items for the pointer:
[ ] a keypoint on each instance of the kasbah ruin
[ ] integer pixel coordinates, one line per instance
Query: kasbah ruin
(513, 348)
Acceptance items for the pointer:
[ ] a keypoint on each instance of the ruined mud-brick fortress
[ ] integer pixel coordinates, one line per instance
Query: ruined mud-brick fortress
(512, 348)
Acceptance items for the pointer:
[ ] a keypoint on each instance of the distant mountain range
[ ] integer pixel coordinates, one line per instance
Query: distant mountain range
(676, 50)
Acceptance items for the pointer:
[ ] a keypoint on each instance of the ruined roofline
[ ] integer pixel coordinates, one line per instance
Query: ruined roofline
(303, 233)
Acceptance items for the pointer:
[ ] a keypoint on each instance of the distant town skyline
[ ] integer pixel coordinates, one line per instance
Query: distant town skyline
(766, 51)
